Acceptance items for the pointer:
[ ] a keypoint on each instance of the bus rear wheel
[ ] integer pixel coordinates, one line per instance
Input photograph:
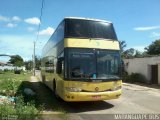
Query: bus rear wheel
(55, 91)
(43, 78)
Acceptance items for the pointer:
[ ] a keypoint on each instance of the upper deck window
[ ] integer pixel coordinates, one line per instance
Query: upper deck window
(76, 28)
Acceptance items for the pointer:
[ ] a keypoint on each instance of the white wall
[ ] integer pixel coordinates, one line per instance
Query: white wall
(11, 68)
(142, 66)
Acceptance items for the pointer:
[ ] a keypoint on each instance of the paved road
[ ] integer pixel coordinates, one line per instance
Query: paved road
(135, 99)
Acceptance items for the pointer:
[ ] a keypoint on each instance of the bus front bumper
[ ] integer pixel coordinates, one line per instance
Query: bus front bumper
(91, 96)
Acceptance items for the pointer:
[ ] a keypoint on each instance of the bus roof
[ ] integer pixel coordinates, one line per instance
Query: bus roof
(82, 18)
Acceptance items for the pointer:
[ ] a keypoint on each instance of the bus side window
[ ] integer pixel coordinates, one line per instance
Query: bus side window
(46, 66)
(60, 65)
(49, 66)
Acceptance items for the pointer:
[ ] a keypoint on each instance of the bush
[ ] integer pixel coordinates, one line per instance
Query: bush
(134, 77)
(24, 110)
(6, 109)
(21, 110)
(24, 107)
(6, 70)
(17, 71)
(1, 72)
(9, 86)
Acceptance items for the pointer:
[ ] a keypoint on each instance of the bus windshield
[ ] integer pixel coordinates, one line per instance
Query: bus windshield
(89, 29)
(93, 64)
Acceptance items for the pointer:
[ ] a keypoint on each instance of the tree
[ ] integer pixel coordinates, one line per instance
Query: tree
(154, 48)
(29, 65)
(129, 53)
(122, 45)
(38, 62)
(138, 54)
(16, 61)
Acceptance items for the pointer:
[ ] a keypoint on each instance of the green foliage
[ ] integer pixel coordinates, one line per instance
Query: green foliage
(16, 60)
(10, 82)
(10, 86)
(134, 77)
(129, 53)
(154, 48)
(138, 54)
(24, 110)
(28, 65)
(6, 70)
(6, 109)
(123, 45)
(38, 62)
(132, 53)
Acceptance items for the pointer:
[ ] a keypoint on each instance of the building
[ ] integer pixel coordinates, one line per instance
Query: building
(148, 66)
(2, 63)
(7, 66)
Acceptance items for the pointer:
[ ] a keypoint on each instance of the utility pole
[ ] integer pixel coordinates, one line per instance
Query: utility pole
(34, 44)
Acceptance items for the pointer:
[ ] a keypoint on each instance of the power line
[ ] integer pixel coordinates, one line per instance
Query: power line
(34, 43)
(40, 18)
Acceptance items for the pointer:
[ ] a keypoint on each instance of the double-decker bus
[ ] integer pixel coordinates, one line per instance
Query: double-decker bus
(81, 61)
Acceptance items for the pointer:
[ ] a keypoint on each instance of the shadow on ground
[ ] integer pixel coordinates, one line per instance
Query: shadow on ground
(150, 85)
(79, 107)
(45, 97)
(155, 86)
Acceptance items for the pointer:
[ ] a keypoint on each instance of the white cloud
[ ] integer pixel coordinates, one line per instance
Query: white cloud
(155, 34)
(34, 21)
(47, 31)
(9, 19)
(3, 18)
(146, 28)
(16, 18)
(11, 25)
(21, 45)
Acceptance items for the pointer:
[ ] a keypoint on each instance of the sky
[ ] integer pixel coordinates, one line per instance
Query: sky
(135, 21)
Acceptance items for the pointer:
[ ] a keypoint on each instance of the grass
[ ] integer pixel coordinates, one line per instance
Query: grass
(46, 97)
(27, 106)
(10, 82)
(11, 86)
(10, 74)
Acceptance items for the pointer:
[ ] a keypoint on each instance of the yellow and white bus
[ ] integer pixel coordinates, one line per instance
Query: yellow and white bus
(81, 61)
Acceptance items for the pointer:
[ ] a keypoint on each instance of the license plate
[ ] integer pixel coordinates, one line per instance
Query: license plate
(96, 96)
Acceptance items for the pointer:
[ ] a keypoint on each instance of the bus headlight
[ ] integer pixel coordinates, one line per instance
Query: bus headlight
(73, 89)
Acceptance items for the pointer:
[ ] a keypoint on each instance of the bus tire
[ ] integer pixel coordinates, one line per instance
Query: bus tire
(43, 78)
(55, 91)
